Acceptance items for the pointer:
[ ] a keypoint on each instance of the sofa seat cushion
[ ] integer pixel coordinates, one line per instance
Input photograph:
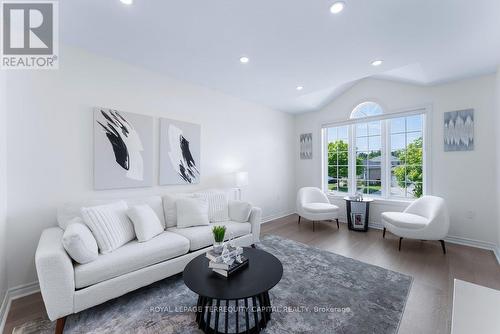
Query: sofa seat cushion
(132, 256)
(320, 207)
(201, 236)
(405, 220)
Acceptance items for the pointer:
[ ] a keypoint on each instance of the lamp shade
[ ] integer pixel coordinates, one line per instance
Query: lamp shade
(241, 179)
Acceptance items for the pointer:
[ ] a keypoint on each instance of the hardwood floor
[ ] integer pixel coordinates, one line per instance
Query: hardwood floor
(428, 309)
(429, 305)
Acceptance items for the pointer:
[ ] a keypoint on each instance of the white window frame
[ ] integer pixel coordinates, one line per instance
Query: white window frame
(425, 111)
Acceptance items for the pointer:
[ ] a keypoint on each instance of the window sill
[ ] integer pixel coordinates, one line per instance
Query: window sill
(376, 199)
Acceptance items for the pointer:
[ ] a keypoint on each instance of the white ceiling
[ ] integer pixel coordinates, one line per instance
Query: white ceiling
(290, 42)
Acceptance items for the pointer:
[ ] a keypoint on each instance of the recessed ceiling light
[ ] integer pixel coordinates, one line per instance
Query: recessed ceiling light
(377, 62)
(337, 7)
(299, 88)
(127, 2)
(244, 60)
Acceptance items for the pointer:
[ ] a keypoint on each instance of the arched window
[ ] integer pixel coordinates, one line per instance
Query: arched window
(366, 109)
(376, 153)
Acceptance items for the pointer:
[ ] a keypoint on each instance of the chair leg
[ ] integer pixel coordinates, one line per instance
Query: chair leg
(400, 244)
(338, 226)
(60, 325)
(299, 220)
(383, 233)
(443, 246)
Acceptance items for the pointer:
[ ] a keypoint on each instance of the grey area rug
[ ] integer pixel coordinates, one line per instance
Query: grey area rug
(320, 292)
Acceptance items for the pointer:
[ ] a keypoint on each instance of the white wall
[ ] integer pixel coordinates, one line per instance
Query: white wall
(497, 133)
(465, 179)
(50, 142)
(3, 189)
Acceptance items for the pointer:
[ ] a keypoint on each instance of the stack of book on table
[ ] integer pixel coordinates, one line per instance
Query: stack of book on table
(217, 264)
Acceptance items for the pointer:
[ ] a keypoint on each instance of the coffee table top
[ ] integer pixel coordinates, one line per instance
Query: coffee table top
(264, 271)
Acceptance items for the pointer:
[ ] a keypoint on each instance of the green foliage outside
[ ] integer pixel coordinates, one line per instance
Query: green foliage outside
(338, 161)
(410, 171)
(219, 232)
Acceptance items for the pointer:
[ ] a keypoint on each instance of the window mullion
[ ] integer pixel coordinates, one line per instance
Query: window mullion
(385, 159)
(352, 159)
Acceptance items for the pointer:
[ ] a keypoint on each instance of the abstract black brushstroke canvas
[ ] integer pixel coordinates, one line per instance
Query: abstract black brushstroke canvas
(179, 152)
(123, 149)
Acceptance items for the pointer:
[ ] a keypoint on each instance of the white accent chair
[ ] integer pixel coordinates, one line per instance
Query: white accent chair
(425, 219)
(312, 204)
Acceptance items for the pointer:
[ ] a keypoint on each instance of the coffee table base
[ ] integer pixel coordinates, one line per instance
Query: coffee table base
(212, 315)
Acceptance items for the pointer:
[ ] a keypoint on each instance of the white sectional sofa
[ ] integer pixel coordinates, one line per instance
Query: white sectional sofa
(68, 287)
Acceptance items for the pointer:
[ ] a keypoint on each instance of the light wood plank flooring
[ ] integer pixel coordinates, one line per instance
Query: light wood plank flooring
(429, 305)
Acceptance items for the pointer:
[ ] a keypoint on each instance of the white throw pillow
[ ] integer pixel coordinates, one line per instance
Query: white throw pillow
(239, 211)
(170, 208)
(218, 210)
(110, 225)
(79, 242)
(146, 222)
(192, 212)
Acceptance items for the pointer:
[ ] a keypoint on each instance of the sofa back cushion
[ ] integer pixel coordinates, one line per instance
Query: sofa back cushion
(109, 224)
(170, 207)
(71, 210)
(146, 223)
(192, 212)
(218, 210)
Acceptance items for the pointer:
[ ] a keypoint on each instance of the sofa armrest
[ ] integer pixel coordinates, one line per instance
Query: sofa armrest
(255, 220)
(55, 274)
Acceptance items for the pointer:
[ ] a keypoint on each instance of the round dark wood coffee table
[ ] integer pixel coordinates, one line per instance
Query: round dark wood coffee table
(216, 294)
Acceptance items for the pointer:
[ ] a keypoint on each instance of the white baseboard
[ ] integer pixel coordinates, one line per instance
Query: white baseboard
(459, 241)
(13, 294)
(272, 217)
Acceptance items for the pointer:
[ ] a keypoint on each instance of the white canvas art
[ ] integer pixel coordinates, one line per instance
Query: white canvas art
(179, 152)
(306, 146)
(459, 130)
(123, 149)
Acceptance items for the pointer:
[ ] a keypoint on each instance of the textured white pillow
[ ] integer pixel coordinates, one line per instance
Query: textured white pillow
(218, 210)
(170, 208)
(192, 212)
(109, 224)
(239, 211)
(146, 222)
(79, 242)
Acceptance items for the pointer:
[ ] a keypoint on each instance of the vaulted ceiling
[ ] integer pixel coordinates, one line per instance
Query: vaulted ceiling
(290, 43)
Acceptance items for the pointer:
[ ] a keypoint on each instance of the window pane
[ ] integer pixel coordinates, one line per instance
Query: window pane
(414, 123)
(362, 158)
(366, 109)
(398, 142)
(374, 187)
(398, 125)
(338, 159)
(414, 190)
(361, 172)
(343, 185)
(374, 128)
(332, 134)
(374, 173)
(398, 179)
(361, 130)
(414, 177)
(343, 133)
(413, 137)
(374, 143)
(362, 144)
(337, 146)
(343, 171)
(361, 186)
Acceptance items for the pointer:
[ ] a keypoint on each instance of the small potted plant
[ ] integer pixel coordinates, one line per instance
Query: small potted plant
(218, 232)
